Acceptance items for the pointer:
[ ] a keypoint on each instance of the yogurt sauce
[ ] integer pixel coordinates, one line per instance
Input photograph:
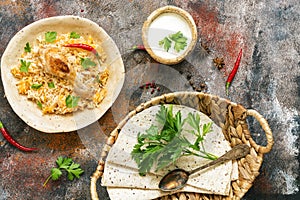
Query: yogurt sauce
(164, 25)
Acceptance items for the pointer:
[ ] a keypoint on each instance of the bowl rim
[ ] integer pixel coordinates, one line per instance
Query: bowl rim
(189, 20)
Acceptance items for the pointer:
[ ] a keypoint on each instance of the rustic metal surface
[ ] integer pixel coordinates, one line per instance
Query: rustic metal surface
(268, 81)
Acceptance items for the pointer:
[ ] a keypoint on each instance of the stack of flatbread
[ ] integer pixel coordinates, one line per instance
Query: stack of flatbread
(121, 176)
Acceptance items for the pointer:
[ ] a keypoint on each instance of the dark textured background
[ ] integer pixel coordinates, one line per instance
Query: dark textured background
(268, 81)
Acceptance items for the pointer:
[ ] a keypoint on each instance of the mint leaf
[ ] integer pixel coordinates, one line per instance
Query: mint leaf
(50, 36)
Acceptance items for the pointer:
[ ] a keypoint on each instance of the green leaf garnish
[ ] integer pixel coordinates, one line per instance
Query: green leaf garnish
(162, 147)
(36, 86)
(67, 164)
(50, 36)
(180, 41)
(27, 48)
(74, 35)
(166, 43)
(39, 104)
(87, 63)
(71, 101)
(51, 85)
(24, 66)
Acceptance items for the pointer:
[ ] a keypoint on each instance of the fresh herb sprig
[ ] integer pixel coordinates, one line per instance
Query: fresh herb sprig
(87, 63)
(24, 66)
(27, 48)
(180, 41)
(36, 86)
(72, 101)
(162, 147)
(67, 164)
(50, 36)
(74, 35)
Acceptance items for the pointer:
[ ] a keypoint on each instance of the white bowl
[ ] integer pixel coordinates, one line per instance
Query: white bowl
(163, 22)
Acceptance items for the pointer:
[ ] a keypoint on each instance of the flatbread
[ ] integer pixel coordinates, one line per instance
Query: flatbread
(69, 122)
(150, 182)
(121, 170)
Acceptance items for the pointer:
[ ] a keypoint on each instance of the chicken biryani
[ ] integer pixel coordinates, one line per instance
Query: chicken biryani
(62, 73)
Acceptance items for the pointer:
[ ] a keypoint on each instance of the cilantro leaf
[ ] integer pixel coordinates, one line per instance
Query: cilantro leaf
(63, 162)
(24, 66)
(55, 173)
(87, 63)
(179, 46)
(50, 36)
(51, 85)
(27, 48)
(74, 170)
(36, 86)
(166, 43)
(71, 101)
(74, 35)
(162, 147)
(180, 41)
(67, 164)
(176, 36)
(39, 104)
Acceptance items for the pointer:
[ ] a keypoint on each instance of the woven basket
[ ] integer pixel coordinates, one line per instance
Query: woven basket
(231, 117)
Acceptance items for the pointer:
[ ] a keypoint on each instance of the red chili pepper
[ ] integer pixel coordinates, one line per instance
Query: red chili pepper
(85, 47)
(138, 47)
(13, 142)
(234, 71)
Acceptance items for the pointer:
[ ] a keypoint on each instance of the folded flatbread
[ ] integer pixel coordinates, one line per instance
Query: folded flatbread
(121, 171)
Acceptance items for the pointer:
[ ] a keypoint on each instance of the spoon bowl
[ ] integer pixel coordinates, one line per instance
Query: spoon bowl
(177, 179)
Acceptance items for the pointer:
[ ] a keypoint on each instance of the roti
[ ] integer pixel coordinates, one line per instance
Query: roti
(121, 172)
(52, 123)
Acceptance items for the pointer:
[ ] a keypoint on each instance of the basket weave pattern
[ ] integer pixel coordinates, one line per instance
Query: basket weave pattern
(231, 117)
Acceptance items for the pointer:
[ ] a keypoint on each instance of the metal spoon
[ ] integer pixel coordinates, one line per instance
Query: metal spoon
(177, 178)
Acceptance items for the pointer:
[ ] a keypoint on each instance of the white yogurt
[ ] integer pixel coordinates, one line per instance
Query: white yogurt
(164, 25)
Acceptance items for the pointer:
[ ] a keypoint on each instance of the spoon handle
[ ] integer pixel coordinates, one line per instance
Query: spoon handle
(236, 152)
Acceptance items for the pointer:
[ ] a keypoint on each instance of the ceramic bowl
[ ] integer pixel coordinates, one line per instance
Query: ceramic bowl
(158, 30)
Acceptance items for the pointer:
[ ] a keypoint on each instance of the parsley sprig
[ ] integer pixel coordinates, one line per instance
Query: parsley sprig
(24, 66)
(50, 36)
(67, 164)
(71, 101)
(27, 48)
(87, 63)
(162, 147)
(180, 42)
(74, 35)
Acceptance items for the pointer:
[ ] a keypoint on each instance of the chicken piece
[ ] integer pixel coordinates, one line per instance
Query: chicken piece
(55, 63)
